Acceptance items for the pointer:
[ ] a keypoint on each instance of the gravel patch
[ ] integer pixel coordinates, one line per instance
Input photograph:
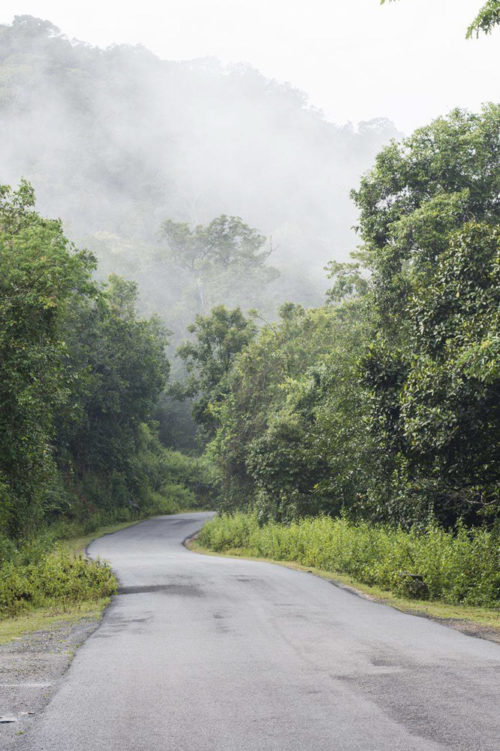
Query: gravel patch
(30, 669)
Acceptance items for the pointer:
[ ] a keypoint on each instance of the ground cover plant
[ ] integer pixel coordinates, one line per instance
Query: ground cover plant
(42, 577)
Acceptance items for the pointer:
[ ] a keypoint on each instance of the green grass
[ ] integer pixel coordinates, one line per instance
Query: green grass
(48, 618)
(458, 575)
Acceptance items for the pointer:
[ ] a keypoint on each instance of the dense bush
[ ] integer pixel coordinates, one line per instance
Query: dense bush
(56, 578)
(457, 568)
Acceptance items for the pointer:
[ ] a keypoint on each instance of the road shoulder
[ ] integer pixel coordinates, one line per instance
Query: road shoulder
(30, 669)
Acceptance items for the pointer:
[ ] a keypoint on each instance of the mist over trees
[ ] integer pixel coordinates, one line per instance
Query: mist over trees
(215, 344)
(117, 141)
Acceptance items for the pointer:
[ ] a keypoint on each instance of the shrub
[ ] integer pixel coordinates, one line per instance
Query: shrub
(57, 578)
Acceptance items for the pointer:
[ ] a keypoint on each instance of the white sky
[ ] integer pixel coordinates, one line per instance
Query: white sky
(355, 59)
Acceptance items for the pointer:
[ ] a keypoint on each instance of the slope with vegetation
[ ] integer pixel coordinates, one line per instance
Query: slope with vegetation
(117, 141)
(80, 378)
(383, 405)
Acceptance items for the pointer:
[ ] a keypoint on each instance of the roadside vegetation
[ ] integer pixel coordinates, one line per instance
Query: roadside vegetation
(81, 375)
(431, 564)
(363, 437)
(56, 578)
(384, 403)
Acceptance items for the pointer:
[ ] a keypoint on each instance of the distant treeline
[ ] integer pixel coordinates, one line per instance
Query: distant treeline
(384, 403)
(116, 140)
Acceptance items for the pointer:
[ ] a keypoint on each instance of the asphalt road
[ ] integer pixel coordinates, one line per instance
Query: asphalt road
(200, 653)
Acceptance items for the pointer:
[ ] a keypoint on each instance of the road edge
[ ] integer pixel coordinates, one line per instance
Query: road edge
(466, 626)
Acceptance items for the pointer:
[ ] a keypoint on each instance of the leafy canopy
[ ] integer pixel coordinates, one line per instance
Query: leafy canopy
(40, 272)
(217, 339)
(428, 216)
(223, 261)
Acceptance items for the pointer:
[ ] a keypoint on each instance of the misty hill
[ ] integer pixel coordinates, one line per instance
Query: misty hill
(116, 141)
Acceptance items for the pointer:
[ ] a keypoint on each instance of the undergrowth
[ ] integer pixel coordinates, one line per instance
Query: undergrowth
(56, 578)
(456, 568)
(47, 571)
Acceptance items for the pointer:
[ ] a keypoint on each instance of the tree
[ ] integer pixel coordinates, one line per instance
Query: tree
(348, 281)
(40, 272)
(218, 338)
(419, 192)
(224, 260)
(486, 20)
(450, 405)
(428, 209)
(80, 376)
(118, 369)
(278, 446)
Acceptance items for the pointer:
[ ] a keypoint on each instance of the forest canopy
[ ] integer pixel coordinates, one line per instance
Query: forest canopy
(116, 142)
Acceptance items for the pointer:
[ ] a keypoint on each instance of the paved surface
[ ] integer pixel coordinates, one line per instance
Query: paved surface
(201, 653)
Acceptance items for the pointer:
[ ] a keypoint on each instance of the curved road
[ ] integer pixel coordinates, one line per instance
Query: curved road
(199, 653)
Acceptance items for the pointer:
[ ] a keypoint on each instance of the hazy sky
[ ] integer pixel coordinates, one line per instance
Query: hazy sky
(354, 58)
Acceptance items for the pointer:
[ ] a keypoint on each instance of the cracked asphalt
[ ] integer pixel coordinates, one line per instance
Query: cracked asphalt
(200, 653)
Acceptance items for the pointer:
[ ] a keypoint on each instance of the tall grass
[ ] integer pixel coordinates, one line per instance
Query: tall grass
(455, 568)
(57, 579)
(41, 572)
(44, 572)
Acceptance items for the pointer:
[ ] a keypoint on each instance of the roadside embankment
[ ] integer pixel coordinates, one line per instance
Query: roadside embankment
(51, 599)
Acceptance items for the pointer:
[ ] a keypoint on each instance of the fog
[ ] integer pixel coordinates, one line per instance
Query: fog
(115, 141)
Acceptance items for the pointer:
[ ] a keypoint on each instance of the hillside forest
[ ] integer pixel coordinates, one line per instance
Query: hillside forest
(172, 337)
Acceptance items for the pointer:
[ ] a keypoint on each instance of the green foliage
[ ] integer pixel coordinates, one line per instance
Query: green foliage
(385, 404)
(485, 21)
(450, 404)
(55, 578)
(428, 214)
(80, 378)
(39, 274)
(223, 261)
(209, 355)
(348, 281)
(269, 446)
(455, 568)
(118, 369)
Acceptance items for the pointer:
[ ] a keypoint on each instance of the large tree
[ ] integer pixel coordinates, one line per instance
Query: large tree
(80, 376)
(428, 214)
(217, 339)
(223, 262)
(117, 366)
(290, 418)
